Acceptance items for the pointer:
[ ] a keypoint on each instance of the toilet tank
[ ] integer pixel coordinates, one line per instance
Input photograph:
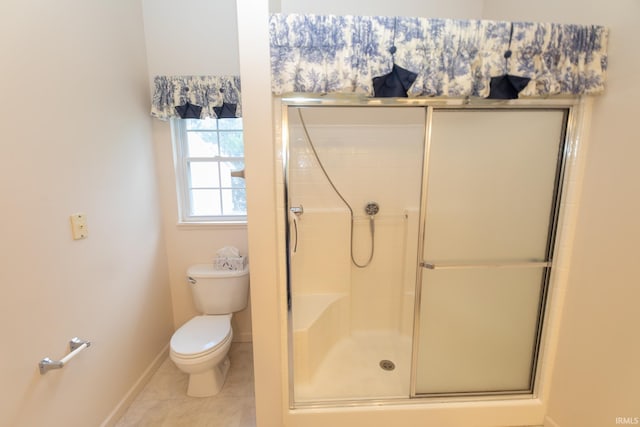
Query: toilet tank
(218, 291)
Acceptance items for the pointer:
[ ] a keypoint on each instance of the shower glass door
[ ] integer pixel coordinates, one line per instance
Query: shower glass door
(491, 196)
(353, 183)
(370, 226)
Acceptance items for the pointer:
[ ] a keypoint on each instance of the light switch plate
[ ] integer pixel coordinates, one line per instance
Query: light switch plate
(79, 226)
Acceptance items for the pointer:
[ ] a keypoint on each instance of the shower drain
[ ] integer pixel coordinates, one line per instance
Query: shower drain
(387, 365)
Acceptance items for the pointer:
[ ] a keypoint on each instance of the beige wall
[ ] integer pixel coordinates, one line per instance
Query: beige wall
(268, 339)
(193, 37)
(76, 137)
(197, 38)
(597, 374)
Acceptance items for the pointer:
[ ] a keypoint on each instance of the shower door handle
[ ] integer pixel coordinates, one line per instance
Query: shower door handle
(498, 264)
(295, 232)
(297, 211)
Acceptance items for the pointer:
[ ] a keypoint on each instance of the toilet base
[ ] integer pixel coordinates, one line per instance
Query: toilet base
(210, 382)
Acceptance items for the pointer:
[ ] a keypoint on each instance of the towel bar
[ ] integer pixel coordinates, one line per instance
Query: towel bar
(76, 345)
(497, 264)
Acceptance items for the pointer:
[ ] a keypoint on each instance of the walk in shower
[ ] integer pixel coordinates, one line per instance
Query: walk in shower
(420, 240)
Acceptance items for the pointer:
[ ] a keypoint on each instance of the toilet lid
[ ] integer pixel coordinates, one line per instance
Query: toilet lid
(202, 334)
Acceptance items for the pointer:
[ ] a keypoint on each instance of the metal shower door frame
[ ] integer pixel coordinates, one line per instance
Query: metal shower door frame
(571, 104)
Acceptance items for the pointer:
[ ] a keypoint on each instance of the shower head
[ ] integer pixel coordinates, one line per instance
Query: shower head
(372, 208)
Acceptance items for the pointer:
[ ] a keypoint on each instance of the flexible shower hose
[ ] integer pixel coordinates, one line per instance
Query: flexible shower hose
(326, 175)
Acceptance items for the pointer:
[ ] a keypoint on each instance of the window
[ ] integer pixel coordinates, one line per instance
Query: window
(206, 152)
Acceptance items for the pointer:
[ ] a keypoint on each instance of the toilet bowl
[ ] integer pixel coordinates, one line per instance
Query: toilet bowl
(200, 347)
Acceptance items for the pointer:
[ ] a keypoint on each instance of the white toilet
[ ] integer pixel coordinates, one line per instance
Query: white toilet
(200, 346)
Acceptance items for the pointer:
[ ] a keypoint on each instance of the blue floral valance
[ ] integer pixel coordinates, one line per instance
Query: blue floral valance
(202, 96)
(454, 58)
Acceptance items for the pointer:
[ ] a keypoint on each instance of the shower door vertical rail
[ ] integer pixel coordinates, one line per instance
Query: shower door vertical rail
(491, 188)
(421, 239)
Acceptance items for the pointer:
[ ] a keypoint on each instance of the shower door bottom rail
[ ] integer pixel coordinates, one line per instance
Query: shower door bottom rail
(507, 264)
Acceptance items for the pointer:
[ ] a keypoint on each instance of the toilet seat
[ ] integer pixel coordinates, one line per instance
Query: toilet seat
(201, 336)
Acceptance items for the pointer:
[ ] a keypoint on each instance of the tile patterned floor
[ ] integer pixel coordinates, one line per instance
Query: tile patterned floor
(164, 403)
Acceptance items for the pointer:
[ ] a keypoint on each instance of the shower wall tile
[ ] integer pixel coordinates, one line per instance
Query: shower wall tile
(376, 162)
(381, 162)
(377, 297)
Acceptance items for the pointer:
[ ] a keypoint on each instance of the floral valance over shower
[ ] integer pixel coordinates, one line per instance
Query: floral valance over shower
(435, 57)
(196, 97)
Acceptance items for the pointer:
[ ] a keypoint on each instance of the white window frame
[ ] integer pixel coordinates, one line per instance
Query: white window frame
(181, 165)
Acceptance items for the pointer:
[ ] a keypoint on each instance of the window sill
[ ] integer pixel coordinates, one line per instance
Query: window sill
(227, 225)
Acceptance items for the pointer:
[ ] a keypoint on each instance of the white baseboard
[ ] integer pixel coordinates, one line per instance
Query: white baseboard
(137, 387)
